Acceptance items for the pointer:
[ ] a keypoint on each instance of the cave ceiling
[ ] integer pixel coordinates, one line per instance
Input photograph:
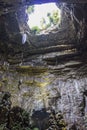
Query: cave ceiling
(11, 5)
(68, 39)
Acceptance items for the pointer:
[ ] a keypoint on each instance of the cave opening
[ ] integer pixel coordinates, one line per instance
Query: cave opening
(43, 18)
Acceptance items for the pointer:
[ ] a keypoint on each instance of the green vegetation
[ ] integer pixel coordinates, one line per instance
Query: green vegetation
(53, 19)
(35, 30)
(43, 23)
(30, 9)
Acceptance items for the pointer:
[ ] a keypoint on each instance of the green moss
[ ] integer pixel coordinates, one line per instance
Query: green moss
(16, 127)
(2, 126)
(3, 68)
(27, 129)
(37, 83)
(31, 70)
(29, 83)
(1, 84)
(64, 128)
(5, 80)
(35, 129)
(27, 94)
(14, 61)
(62, 122)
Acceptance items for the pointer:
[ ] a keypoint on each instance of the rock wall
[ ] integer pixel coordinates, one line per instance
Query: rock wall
(60, 90)
(46, 77)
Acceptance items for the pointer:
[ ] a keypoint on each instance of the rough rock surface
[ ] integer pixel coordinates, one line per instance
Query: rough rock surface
(48, 74)
(16, 118)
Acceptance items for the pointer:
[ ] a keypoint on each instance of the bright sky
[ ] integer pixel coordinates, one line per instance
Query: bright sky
(40, 12)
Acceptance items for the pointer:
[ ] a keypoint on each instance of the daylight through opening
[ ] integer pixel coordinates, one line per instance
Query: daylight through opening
(43, 17)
